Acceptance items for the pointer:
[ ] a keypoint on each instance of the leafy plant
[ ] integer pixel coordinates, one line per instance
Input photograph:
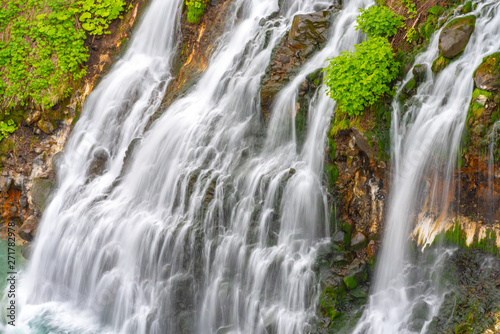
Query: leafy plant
(411, 35)
(358, 79)
(196, 8)
(410, 7)
(379, 21)
(43, 52)
(7, 128)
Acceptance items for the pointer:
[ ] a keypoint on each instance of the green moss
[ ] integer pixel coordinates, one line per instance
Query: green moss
(477, 92)
(333, 175)
(350, 282)
(457, 236)
(439, 64)
(467, 8)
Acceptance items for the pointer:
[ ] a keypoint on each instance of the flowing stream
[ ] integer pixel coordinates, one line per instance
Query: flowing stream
(426, 135)
(203, 222)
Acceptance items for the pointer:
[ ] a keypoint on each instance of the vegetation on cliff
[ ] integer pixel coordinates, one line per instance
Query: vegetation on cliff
(43, 52)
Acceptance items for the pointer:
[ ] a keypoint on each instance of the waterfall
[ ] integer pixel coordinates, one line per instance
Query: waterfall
(426, 135)
(202, 222)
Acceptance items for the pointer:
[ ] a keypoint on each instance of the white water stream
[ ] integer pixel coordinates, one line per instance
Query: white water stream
(213, 225)
(425, 136)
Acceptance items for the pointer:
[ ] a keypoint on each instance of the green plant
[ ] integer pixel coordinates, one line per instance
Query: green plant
(411, 35)
(379, 21)
(358, 79)
(410, 7)
(196, 8)
(6, 128)
(42, 50)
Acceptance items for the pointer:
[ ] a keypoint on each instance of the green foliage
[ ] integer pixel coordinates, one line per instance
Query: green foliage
(6, 128)
(196, 8)
(411, 35)
(42, 52)
(410, 8)
(358, 79)
(96, 16)
(379, 21)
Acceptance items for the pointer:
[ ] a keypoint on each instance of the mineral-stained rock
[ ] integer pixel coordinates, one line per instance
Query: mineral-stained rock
(455, 36)
(487, 75)
(45, 126)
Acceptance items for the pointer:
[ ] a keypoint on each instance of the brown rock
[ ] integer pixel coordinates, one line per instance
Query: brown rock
(45, 126)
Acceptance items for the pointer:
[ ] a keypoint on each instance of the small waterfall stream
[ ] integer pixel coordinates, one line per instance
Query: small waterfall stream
(426, 135)
(210, 225)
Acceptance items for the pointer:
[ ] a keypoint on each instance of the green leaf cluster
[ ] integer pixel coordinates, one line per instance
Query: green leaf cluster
(6, 128)
(356, 79)
(95, 16)
(411, 8)
(196, 8)
(379, 21)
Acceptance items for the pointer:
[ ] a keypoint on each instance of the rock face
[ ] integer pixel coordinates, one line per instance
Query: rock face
(455, 36)
(487, 75)
(40, 191)
(307, 34)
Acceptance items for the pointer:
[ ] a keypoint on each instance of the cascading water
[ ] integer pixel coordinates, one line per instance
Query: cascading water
(426, 135)
(207, 227)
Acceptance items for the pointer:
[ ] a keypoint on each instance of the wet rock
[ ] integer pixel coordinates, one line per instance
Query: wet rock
(339, 239)
(307, 34)
(308, 31)
(419, 73)
(439, 64)
(5, 183)
(40, 191)
(46, 126)
(455, 36)
(98, 164)
(358, 241)
(187, 322)
(28, 229)
(357, 273)
(26, 251)
(487, 75)
(344, 257)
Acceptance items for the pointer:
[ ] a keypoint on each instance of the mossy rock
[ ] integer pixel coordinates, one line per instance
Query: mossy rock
(456, 35)
(439, 64)
(487, 75)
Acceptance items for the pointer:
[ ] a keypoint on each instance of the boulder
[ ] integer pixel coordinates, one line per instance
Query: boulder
(40, 191)
(487, 75)
(455, 36)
